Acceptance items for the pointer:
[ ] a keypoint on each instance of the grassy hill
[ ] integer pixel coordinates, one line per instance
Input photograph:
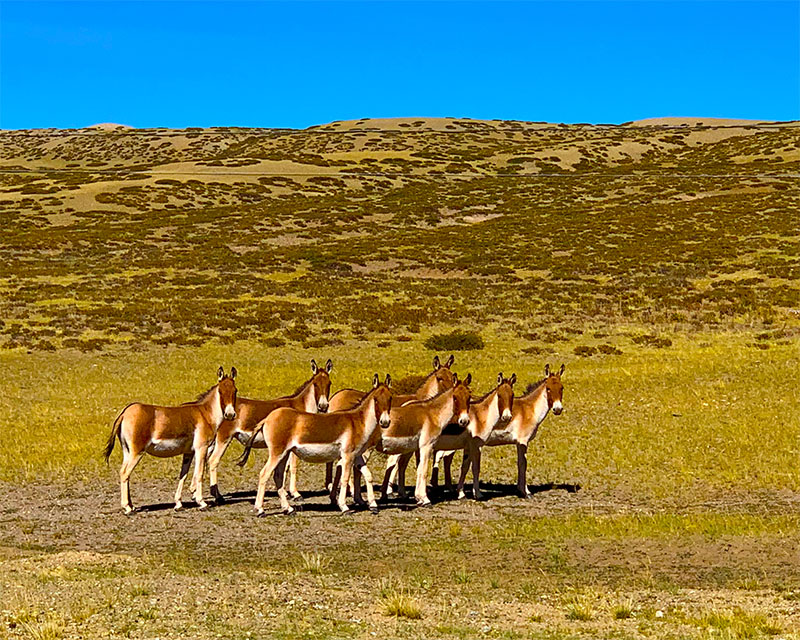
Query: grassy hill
(383, 229)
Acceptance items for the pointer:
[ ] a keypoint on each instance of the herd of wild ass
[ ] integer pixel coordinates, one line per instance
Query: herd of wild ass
(441, 418)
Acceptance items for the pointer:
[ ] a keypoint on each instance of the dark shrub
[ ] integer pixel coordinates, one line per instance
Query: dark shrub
(455, 341)
(584, 350)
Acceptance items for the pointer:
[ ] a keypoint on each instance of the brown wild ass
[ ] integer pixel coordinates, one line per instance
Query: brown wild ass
(416, 426)
(440, 379)
(485, 414)
(528, 413)
(187, 430)
(311, 396)
(322, 437)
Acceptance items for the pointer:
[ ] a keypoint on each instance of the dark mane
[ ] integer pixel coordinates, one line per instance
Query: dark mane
(201, 397)
(533, 386)
(484, 396)
(300, 388)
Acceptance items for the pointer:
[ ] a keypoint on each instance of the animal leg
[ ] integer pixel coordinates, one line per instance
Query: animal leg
(129, 462)
(422, 471)
(337, 478)
(266, 471)
(197, 481)
(347, 468)
(355, 481)
(391, 467)
(364, 470)
(279, 475)
(187, 462)
(462, 477)
(213, 464)
(401, 475)
(475, 457)
(328, 475)
(293, 492)
(522, 471)
(447, 460)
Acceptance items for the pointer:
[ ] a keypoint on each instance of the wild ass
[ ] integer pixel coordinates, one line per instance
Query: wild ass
(187, 430)
(528, 413)
(311, 396)
(440, 379)
(322, 437)
(485, 414)
(416, 426)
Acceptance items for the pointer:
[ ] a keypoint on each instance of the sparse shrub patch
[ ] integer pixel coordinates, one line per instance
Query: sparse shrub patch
(455, 341)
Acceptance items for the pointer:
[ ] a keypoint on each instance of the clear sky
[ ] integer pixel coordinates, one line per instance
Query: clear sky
(294, 64)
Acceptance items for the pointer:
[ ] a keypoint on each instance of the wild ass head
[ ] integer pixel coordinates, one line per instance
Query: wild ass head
(226, 391)
(554, 389)
(505, 395)
(321, 383)
(461, 399)
(381, 396)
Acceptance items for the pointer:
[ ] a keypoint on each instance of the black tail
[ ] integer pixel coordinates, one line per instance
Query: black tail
(112, 437)
(246, 454)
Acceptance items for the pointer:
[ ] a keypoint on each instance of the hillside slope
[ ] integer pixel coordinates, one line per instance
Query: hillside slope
(119, 236)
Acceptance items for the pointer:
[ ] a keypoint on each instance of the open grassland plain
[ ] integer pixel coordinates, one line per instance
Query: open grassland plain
(659, 261)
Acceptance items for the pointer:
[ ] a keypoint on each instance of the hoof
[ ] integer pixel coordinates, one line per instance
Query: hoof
(347, 512)
(297, 497)
(260, 513)
(425, 505)
(462, 495)
(289, 512)
(178, 507)
(202, 506)
(128, 511)
(374, 510)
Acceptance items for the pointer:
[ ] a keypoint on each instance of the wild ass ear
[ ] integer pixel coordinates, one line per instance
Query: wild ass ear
(455, 378)
(450, 361)
(547, 370)
(388, 381)
(314, 367)
(220, 374)
(513, 380)
(375, 381)
(233, 373)
(436, 364)
(468, 379)
(561, 370)
(329, 365)
(500, 378)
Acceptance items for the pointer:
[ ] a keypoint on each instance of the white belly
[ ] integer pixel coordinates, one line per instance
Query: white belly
(399, 445)
(500, 437)
(318, 452)
(169, 447)
(451, 443)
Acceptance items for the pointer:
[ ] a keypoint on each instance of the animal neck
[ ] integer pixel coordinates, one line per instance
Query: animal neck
(487, 412)
(443, 408)
(369, 416)
(213, 407)
(540, 406)
(307, 396)
(428, 388)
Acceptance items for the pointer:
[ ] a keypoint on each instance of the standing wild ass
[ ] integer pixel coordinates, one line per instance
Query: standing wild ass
(322, 437)
(311, 396)
(187, 430)
(438, 380)
(416, 426)
(528, 413)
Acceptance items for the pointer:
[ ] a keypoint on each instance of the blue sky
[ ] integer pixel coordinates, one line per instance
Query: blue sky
(294, 64)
